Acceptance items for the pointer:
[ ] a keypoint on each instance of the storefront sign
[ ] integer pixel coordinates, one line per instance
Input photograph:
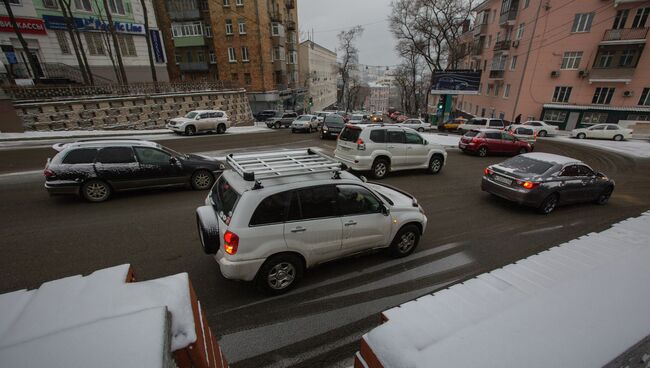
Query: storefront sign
(156, 45)
(91, 24)
(25, 25)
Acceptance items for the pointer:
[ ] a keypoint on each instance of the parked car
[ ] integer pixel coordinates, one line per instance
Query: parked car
(395, 114)
(265, 115)
(356, 119)
(95, 169)
(308, 123)
(541, 128)
(281, 119)
(382, 149)
(487, 141)
(451, 125)
(332, 126)
(523, 133)
(603, 131)
(544, 181)
(322, 114)
(264, 228)
(200, 121)
(416, 124)
(481, 123)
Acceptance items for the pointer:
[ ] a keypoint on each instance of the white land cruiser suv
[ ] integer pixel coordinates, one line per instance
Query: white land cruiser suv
(380, 148)
(273, 215)
(200, 121)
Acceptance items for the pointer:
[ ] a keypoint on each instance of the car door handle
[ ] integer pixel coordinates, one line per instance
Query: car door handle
(409, 147)
(298, 229)
(391, 146)
(350, 223)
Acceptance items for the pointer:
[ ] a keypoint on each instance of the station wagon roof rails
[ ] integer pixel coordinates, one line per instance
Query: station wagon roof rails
(107, 139)
(269, 165)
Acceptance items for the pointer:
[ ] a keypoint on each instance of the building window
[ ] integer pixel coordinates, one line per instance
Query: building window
(83, 5)
(562, 94)
(582, 22)
(50, 4)
(247, 78)
(605, 59)
(239, 2)
(526, 3)
(242, 27)
(489, 89)
(178, 58)
(571, 60)
(641, 18)
(127, 46)
(63, 42)
(645, 97)
(627, 58)
(278, 53)
(232, 55)
(590, 117)
(513, 63)
(554, 116)
(213, 57)
(520, 31)
(293, 57)
(187, 29)
(244, 54)
(229, 26)
(95, 43)
(226, 2)
(277, 29)
(207, 29)
(621, 19)
(203, 5)
(638, 117)
(116, 7)
(603, 96)
(506, 91)
(234, 76)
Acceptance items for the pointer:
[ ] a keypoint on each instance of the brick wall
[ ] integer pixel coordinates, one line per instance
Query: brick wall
(133, 112)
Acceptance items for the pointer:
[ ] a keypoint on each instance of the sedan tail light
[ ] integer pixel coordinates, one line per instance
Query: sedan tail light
(488, 171)
(527, 184)
(49, 173)
(230, 242)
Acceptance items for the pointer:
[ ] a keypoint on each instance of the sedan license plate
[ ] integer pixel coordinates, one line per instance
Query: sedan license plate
(503, 180)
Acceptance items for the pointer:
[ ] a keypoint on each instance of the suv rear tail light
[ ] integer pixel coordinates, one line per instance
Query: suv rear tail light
(230, 242)
(48, 173)
(361, 146)
(488, 171)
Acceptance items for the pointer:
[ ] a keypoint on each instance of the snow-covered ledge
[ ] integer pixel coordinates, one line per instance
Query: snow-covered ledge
(580, 304)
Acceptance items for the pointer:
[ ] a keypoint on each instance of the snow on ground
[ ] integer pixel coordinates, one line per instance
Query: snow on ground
(445, 140)
(580, 304)
(632, 147)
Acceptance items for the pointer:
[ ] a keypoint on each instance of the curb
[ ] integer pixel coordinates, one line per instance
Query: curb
(76, 136)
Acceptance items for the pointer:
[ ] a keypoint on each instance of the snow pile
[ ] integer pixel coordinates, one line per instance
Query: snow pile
(96, 305)
(632, 148)
(442, 139)
(580, 304)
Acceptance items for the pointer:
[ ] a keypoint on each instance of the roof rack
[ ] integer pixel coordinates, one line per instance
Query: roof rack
(107, 139)
(269, 165)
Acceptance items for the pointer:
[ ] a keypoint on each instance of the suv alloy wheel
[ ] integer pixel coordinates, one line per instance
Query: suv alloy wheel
(405, 241)
(279, 273)
(380, 168)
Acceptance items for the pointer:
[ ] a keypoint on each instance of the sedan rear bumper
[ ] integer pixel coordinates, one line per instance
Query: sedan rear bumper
(62, 187)
(525, 197)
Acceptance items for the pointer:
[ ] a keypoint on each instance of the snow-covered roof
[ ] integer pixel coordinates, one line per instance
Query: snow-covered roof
(77, 316)
(551, 158)
(580, 304)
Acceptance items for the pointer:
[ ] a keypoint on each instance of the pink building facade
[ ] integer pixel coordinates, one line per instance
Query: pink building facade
(569, 63)
(377, 99)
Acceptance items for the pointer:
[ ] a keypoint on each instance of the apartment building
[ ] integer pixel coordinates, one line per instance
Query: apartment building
(318, 70)
(378, 98)
(569, 63)
(44, 28)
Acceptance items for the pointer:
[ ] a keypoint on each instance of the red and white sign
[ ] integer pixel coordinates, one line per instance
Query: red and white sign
(25, 25)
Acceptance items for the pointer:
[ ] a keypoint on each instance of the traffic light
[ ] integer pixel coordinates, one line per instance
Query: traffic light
(311, 101)
(442, 102)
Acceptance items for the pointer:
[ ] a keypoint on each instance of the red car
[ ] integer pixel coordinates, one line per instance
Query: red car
(486, 141)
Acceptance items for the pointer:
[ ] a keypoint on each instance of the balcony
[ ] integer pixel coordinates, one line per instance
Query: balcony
(189, 41)
(291, 25)
(480, 29)
(279, 65)
(193, 67)
(185, 15)
(611, 75)
(292, 46)
(508, 18)
(276, 16)
(502, 45)
(624, 36)
(497, 74)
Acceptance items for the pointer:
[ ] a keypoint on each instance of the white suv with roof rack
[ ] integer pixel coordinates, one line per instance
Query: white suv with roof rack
(380, 149)
(275, 214)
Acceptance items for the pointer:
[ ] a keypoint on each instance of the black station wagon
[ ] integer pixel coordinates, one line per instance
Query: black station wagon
(96, 169)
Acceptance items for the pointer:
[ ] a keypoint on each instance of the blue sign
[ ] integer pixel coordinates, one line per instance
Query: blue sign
(156, 45)
(57, 22)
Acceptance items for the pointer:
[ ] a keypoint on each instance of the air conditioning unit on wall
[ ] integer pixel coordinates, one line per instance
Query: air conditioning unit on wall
(583, 73)
(628, 94)
(555, 74)
(515, 44)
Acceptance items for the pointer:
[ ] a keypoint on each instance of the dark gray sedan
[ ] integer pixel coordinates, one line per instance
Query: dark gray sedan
(545, 181)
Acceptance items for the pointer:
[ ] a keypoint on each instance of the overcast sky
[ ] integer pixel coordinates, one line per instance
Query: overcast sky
(328, 17)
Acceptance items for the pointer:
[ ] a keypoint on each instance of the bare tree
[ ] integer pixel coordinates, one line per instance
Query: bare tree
(349, 60)
(148, 38)
(33, 63)
(106, 39)
(77, 45)
(116, 44)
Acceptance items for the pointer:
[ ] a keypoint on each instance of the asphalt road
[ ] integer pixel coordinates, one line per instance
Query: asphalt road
(318, 324)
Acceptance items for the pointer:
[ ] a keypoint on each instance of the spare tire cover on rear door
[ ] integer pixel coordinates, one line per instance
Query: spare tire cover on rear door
(208, 227)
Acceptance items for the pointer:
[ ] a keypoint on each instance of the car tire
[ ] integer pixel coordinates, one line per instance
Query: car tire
(279, 274)
(603, 197)
(421, 130)
(405, 241)
(276, 125)
(190, 130)
(96, 191)
(549, 204)
(435, 164)
(542, 133)
(523, 150)
(221, 128)
(380, 168)
(293, 130)
(202, 180)
(581, 136)
(618, 138)
(483, 151)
